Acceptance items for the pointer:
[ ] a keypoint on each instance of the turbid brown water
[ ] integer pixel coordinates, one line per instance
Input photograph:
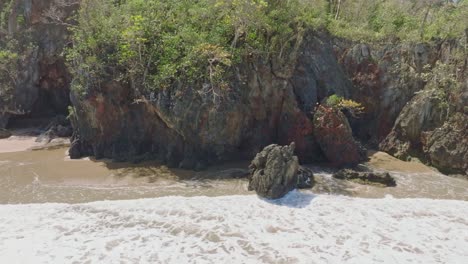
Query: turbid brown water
(179, 224)
(49, 176)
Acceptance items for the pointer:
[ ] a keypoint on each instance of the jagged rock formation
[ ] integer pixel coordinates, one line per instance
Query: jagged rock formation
(268, 102)
(406, 111)
(432, 125)
(447, 146)
(385, 78)
(335, 137)
(274, 171)
(185, 127)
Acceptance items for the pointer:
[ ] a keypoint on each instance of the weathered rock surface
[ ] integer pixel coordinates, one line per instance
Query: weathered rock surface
(422, 114)
(385, 78)
(43, 81)
(447, 147)
(274, 171)
(335, 137)
(426, 130)
(58, 127)
(268, 102)
(366, 177)
(4, 133)
(184, 126)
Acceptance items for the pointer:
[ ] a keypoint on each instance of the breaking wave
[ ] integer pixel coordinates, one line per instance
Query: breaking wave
(300, 228)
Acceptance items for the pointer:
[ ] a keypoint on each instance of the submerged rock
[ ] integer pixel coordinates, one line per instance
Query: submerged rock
(274, 171)
(58, 127)
(305, 178)
(366, 177)
(4, 133)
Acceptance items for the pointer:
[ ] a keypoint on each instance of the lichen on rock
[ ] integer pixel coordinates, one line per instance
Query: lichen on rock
(274, 171)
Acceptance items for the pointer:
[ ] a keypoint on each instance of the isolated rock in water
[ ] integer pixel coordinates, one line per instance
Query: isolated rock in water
(335, 137)
(370, 178)
(274, 171)
(4, 133)
(305, 178)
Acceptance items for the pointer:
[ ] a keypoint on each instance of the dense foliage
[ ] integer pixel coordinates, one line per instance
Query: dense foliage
(13, 50)
(413, 20)
(152, 44)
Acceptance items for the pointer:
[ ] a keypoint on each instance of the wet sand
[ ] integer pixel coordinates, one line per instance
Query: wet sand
(414, 180)
(26, 139)
(50, 176)
(384, 161)
(17, 143)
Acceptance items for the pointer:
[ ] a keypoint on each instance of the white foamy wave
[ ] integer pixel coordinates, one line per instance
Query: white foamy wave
(301, 228)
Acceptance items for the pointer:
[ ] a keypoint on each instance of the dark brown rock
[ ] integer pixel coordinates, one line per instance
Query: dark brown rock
(274, 171)
(447, 147)
(4, 133)
(422, 114)
(370, 178)
(385, 79)
(266, 103)
(334, 135)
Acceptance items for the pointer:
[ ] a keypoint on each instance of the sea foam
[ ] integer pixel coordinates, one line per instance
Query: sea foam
(300, 228)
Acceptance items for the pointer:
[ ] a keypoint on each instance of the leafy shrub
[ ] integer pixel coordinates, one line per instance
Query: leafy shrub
(340, 103)
(152, 44)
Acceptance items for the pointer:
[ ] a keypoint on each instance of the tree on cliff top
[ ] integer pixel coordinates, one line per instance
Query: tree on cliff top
(153, 44)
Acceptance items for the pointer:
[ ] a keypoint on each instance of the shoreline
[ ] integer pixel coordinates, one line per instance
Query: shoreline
(27, 140)
(47, 175)
(24, 140)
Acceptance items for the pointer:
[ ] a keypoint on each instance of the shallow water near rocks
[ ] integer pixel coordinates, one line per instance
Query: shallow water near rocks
(54, 210)
(49, 176)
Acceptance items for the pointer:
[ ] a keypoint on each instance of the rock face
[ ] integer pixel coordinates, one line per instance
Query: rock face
(407, 112)
(335, 137)
(267, 102)
(423, 113)
(447, 147)
(43, 81)
(425, 129)
(370, 178)
(274, 171)
(185, 127)
(385, 79)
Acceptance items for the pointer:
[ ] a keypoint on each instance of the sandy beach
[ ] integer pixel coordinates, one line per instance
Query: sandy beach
(25, 139)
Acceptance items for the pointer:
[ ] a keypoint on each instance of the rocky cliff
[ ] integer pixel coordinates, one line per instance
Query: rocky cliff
(185, 127)
(35, 32)
(410, 109)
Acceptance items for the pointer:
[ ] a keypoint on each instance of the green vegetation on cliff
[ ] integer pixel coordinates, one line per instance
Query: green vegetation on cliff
(14, 48)
(408, 20)
(153, 44)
